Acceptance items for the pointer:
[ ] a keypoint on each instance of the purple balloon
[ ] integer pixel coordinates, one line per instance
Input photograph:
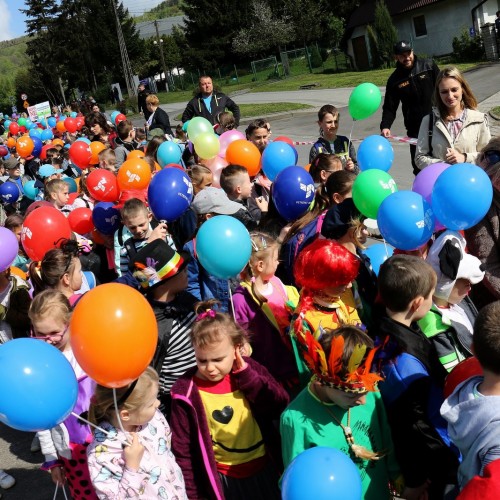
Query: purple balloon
(9, 246)
(425, 180)
(227, 138)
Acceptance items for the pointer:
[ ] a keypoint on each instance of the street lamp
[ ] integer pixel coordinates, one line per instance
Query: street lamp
(159, 42)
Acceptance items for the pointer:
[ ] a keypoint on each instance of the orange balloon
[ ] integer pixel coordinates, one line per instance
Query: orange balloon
(18, 272)
(113, 334)
(307, 167)
(134, 174)
(96, 147)
(60, 126)
(97, 237)
(25, 146)
(245, 153)
(136, 153)
(58, 142)
(157, 166)
(11, 142)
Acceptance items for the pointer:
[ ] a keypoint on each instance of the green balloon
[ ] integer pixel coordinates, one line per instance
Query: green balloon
(197, 126)
(364, 101)
(370, 189)
(22, 121)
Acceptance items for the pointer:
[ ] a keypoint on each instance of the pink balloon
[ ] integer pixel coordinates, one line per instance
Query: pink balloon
(425, 180)
(216, 165)
(227, 138)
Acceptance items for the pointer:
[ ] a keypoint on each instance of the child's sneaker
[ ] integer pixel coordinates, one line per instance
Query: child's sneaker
(6, 480)
(35, 444)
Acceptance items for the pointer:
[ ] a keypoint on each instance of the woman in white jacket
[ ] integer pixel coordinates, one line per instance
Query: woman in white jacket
(457, 131)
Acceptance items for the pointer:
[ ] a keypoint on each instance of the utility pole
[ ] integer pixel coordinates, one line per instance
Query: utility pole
(127, 68)
(160, 41)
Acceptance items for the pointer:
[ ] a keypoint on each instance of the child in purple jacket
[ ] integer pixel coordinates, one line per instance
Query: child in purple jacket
(222, 414)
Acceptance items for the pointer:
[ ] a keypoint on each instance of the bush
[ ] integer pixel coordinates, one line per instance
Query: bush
(467, 48)
(316, 60)
(324, 54)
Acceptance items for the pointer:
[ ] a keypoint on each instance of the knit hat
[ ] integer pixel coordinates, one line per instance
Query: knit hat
(449, 260)
(214, 200)
(157, 262)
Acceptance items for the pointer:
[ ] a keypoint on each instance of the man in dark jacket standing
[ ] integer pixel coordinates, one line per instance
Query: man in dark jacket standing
(412, 83)
(209, 104)
(141, 101)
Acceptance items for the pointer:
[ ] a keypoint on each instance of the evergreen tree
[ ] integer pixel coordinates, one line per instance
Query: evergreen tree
(385, 33)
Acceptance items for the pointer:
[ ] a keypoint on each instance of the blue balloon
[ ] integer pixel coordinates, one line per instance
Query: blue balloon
(9, 192)
(406, 220)
(170, 193)
(37, 141)
(47, 134)
(37, 383)
(73, 114)
(461, 196)
(43, 122)
(105, 217)
(29, 124)
(113, 115)
(35, 132)
(276, 157)
(321, 473)
(293, 192)
(223, 246)
(375, 152)
(168, 152)
(73, 187)
(83, 139)
(30, 191)
(51, 122)
(6, 123)
(378, 253)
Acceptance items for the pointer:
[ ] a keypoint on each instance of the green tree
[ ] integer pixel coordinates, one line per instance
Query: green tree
(384, 35)
(265, 33)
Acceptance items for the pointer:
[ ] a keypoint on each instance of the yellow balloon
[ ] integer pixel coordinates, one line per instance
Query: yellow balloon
(206, 145)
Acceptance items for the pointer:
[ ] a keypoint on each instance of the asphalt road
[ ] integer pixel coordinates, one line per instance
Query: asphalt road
(15, 456)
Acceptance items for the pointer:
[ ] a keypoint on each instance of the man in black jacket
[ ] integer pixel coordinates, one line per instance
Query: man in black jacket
(209, 104)
(412, 83)
(141, 101)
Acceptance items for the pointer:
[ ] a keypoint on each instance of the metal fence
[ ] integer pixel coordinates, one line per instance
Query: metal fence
(290, 63)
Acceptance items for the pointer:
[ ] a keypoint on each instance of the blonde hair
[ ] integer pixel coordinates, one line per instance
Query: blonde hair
(107, 155)
(102, 407)
(468, 99)
(50, 303)
(152, 99)
(263, 247)
(53, 187)
(211, 326)
(196, 174)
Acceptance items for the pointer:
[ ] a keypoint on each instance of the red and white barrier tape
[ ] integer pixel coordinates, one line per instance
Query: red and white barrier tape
(397, 138)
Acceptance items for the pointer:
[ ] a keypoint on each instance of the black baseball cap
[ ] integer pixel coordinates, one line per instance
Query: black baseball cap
(401, 47)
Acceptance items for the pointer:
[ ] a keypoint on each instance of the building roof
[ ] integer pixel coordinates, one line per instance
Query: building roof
(165, 26)
(365, 13)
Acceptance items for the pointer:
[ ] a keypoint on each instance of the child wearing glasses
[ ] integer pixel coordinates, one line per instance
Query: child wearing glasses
(64, 446)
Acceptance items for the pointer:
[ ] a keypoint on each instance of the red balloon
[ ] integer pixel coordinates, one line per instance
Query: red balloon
(43, 229)
(119, 118)
(80, 154)
(466, 369)
(23, 129)
(14, 128)
(72, 197)
(43, 154)
(71, 125)
(284, 138)
(102, 185)
(80, 122)
(80, 220)
(3, 151)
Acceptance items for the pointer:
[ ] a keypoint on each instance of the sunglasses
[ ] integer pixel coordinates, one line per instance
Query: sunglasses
(53, 337)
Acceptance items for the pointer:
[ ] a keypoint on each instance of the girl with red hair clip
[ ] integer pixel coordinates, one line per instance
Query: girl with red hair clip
(325, 271)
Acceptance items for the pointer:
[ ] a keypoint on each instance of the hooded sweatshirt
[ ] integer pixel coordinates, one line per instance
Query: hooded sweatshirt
(474, 427)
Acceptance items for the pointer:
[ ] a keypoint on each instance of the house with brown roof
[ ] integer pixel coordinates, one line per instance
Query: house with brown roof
(430, 25)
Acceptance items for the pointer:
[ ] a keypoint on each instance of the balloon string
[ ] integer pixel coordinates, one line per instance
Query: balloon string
(63, 489)
(385, 245)
(118, 412)
(231, 299)
(350, 136)
(123, 441)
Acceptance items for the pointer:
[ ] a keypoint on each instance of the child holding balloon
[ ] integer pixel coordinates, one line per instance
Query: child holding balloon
(331, 143)
(64, 446)
(222, 413)
(144, 467)
(263, 306)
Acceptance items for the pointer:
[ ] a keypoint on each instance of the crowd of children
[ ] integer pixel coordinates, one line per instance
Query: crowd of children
(306, 347)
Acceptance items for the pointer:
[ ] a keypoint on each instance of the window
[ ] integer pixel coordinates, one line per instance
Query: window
(419, 25)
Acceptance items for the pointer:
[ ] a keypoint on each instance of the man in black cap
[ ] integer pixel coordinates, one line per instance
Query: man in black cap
(412, 83)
